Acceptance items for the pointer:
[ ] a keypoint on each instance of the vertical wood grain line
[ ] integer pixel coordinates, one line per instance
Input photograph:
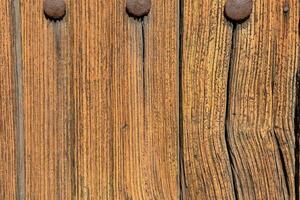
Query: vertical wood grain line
(19, 101)
(182, 180)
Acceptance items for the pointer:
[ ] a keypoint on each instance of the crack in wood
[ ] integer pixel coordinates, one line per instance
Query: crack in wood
(143, 57)
(282, 164)
(182, 177)
(229, 151)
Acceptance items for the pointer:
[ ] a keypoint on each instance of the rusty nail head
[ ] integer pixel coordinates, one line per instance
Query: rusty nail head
(238, 10)
(286, 8)
(138, 8)
(55, 9)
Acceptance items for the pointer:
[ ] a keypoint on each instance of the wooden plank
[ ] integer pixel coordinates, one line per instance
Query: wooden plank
(206, 55)
(159, 147)
(126, 101)
(285, 64)
(262, 101)
(8, 175)
(48, 104)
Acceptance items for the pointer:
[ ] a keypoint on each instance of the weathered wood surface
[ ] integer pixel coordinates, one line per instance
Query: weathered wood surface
(206, 56)
(100, 102)
(262, 102)
(48, 104)
(181, 104)
(8, 108)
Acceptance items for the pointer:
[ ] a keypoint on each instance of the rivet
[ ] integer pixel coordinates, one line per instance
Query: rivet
(238, 10)
(286, 8)
(55, 9)
(138, 8)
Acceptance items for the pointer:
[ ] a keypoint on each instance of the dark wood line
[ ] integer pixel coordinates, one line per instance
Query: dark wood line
(283, 165)
(182, 177)
(228, 147)
(19, 115)
(297, 137)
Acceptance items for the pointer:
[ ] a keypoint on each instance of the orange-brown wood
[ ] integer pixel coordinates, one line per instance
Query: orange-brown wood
(8, 114)
(262, 101)
(206, 56)
(180, 104)
(100, 103)
(48, 102)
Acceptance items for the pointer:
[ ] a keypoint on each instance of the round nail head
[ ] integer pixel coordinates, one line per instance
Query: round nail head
(238, 10)
(55, 9)
(138, 8)
(286, 8)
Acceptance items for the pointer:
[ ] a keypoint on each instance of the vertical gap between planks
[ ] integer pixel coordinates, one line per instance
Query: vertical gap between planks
(230, 66)
(182, 181)
(19, 100)
(297, 136)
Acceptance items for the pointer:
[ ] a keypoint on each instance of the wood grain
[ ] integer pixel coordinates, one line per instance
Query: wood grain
(48, 104)
(206, 55)
(113, 107)
(100, 102)
(126, 106)
(262, 101)
(8, 122)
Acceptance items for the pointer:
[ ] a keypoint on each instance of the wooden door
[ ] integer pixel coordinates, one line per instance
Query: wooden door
(179, 104)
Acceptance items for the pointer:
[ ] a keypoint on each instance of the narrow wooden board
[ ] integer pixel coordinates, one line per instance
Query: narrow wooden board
(262, 101)
(48, 104)
(206, 55)
(8, 114)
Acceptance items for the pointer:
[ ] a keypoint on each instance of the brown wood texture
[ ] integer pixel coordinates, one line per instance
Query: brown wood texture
(206, 56)
(48, 104)
(181, 104)
(259, 129)
(262, 102)
(100, 102)
(8, 114)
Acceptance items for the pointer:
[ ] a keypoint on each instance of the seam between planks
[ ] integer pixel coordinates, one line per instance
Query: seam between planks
(297, 136)
(19, 100)
(181, 170)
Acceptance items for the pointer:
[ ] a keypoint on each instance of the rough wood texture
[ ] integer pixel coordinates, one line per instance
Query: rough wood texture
(262, 102)
(206, 51)
(126, 134)
(100, 114)
(48, 104)
(181, 104)
(8, 122)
